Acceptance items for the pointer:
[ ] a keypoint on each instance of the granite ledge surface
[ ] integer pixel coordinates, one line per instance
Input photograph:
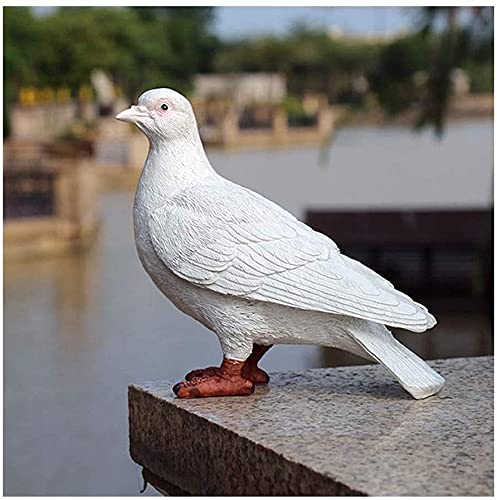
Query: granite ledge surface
(336, 431)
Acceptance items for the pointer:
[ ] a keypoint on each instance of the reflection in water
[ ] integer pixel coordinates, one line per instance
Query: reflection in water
(72, 296)
(78, 329)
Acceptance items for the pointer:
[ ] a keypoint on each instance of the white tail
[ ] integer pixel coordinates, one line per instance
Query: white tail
(415, 376)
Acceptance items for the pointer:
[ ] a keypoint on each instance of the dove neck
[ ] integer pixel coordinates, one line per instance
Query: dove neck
(177, 164)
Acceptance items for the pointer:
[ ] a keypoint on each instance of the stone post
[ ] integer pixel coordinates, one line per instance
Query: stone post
(280, 124)
(230, 129)
(76, 193)
(326, 119)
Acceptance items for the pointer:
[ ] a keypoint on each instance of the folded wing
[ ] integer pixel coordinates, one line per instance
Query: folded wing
(232, 241)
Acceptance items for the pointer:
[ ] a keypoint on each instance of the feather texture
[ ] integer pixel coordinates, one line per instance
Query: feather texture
(230, 240)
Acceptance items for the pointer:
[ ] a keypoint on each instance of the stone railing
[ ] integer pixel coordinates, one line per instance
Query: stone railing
(45, 122)
(220, 126)
(340, 431)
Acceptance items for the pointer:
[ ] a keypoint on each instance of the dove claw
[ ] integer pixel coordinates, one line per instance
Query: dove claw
(249, 370)
(202, 373)
(226, 381)
(214, 386)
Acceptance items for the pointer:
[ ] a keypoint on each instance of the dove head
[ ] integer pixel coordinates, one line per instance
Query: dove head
(162, 115)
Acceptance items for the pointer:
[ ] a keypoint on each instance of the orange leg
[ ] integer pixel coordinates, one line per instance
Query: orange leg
(227, 381)
(250, 369)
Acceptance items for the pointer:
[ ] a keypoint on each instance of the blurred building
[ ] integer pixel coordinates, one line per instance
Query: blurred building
(241, 88)
(50, 203)
(254, 110)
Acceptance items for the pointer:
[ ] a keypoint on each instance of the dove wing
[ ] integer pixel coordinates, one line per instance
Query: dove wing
(233, 241)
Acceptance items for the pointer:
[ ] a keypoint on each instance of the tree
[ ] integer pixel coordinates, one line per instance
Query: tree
(139, 47)
(393, 77)
(21, 33)
(309, 58)
(186, 32)
(457, 45)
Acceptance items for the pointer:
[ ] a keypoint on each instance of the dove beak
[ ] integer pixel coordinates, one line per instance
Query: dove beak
(133, 114)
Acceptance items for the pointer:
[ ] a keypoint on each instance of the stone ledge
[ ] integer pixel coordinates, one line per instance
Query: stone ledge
(340, 431)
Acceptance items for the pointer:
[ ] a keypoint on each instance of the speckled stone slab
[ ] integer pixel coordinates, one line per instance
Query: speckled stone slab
(333, 431)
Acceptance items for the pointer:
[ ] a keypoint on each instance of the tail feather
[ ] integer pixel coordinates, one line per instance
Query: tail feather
(414, 374)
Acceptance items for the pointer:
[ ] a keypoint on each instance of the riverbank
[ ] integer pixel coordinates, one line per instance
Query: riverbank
(467, 107)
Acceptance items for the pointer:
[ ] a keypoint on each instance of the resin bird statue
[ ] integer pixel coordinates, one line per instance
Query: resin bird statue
(250, 271)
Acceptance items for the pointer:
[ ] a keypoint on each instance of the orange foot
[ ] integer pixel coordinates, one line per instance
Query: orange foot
(252, 373)
(203, 373)
(250, 370)
(227, 381)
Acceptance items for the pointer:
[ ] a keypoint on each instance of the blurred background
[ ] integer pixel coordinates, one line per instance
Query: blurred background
(374, 125)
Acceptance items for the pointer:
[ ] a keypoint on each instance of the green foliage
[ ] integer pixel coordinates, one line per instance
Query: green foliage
(393, 77)
(21, 32)
(139, 47)
(293, 106)
(310, 59)
(481, 76)
(457, 45)
(180, 44)
(435, 53)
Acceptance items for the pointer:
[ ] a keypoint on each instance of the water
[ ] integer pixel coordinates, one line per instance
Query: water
(375, 168)
(78, 330)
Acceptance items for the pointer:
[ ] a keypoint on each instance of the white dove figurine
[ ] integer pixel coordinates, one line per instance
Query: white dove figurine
(250, 271)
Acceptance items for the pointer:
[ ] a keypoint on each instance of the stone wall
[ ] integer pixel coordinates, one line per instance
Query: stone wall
(74, 221)
(46, 122)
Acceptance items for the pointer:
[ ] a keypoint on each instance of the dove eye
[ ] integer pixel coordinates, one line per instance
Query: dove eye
(164, 107)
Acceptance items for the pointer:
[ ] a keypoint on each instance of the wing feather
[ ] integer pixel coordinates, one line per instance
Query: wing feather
(232, 241)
